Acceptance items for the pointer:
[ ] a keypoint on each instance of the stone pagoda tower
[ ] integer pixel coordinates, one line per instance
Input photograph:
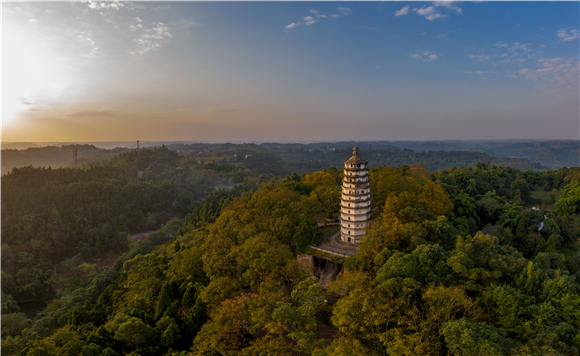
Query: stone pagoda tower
(355, 202)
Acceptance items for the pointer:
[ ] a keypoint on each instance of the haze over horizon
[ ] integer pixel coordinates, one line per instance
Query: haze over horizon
(289, 71)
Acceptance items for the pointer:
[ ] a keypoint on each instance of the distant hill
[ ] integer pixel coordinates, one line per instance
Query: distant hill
(284, 158)
(54, 157)
(553, 154)
(19, 145)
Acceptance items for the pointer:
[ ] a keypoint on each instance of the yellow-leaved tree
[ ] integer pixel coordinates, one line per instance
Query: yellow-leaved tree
(414, 213)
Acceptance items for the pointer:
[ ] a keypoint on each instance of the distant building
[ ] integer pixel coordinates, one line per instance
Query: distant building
(140, 174)
(355, 202)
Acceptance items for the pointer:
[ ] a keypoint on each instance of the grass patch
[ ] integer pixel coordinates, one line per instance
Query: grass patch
(541, 196)
(328, 231)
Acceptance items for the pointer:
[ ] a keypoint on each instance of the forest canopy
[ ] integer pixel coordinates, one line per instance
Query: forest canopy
(462, 261)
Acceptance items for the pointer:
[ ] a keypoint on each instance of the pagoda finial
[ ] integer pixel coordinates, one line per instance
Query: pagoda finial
(355, 151)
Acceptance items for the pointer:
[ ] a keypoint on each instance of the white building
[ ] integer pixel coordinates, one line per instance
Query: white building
(355, 202)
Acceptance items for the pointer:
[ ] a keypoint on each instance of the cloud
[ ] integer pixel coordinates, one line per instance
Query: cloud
(153, 37)
(425, 56)
(549, 62)
(567, 34)
(92, 113)
(449, 5)
(159, 8)
(108, 5)
(500, 58)
(430, 12)
(425, 10)
(499, 44)
(403, 11)
(480, 57)
(344, 10)
(554, 73)
(526, 47)
(309, 20)
(442, 36)
(312, 11)
(137, 25)
(479, 72)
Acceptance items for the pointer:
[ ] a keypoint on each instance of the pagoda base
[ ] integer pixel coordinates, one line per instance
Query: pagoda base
(349, 239)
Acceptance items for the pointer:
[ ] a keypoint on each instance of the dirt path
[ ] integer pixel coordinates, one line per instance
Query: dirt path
(140, 235)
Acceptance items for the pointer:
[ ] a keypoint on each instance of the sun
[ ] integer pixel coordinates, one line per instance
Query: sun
(34, 72)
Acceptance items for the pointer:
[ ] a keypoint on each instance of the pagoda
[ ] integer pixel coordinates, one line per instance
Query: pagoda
(355, 201)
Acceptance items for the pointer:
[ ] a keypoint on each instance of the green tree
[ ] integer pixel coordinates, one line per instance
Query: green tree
(151, 219)
(163, 303)
(196, 318)
(569, 201)
(92, 350)
(473, 339)
(519, 189)
(171, 336)
(14, 323)
(136, 333)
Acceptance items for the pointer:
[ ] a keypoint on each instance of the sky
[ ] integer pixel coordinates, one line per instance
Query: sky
(289, 71)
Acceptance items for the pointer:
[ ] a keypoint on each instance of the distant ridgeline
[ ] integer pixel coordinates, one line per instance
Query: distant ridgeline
(285, 158)
(54, 157)
(282, 159)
